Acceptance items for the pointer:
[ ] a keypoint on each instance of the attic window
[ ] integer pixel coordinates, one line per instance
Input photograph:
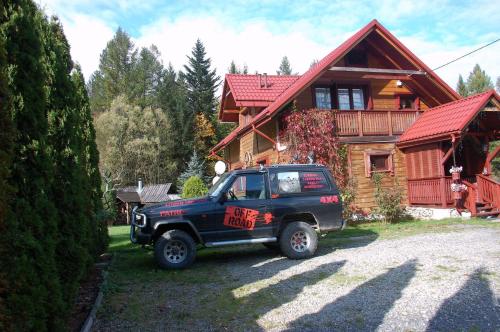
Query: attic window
(357, 58)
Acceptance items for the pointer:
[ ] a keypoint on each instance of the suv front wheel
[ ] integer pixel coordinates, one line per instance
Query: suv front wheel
(298, 240)
(175, 249)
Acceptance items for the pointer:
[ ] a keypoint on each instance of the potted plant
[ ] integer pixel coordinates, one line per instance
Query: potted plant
(457, 189)
(455, 172)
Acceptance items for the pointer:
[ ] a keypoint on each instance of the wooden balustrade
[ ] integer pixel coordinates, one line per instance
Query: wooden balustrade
(374, 122)
(470, 198)
(489, 190)
(430, 191)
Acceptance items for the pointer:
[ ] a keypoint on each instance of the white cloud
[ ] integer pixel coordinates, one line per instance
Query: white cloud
(261, 43)
(251, 43)
(88, 37)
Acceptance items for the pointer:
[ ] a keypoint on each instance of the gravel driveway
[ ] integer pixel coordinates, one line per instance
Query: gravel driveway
(435, 282)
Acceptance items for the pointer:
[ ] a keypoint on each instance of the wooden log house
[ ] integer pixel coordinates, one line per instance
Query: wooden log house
(388, 106)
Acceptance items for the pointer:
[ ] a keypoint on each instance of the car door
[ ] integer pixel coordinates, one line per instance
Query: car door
(245, 212)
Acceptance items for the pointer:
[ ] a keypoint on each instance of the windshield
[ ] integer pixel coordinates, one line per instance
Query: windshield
(217, 187)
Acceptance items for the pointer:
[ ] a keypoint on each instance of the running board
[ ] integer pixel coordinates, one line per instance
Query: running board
(236, 242)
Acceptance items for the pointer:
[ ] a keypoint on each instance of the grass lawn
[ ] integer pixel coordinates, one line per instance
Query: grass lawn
(135, 285)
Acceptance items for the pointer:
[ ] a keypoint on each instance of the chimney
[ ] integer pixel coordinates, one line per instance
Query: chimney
(260, 80)
(139, 186)
(265, 80)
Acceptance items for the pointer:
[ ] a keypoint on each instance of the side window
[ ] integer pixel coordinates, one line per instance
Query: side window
(247, 186)
(313, 181)
(297, 182)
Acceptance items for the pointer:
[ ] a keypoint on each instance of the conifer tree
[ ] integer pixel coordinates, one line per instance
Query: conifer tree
(478, 81)
(461, 87)
(113, 78)
(33, 299)
(285, 67)
(195, 167)
(145, 77)
(202, 82)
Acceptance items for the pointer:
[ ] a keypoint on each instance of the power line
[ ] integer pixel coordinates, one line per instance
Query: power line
(463, 56)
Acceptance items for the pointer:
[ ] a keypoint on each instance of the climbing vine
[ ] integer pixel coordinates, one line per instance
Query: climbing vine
(312, 132)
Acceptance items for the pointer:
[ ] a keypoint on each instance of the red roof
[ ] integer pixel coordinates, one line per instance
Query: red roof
(447, 119)
(316, 71)
(246, 88)
(249, 91)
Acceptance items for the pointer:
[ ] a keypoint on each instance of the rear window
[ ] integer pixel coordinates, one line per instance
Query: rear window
(296, 182)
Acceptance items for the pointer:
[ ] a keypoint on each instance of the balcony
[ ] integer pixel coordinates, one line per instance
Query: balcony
(374, 122)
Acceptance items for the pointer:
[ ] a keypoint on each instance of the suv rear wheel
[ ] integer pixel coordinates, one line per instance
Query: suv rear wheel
(298, 240)
(175, 249)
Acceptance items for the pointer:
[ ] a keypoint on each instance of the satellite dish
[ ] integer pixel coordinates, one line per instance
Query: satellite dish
(215, 179)
(220, 167)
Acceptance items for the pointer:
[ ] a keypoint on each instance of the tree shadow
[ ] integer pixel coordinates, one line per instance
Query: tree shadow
(257, 293)
(472, 308)
(364, 308)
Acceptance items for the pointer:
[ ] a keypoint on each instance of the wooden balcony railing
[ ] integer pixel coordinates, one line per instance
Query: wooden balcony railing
(434, 191)
(374, 122)
(489, 190)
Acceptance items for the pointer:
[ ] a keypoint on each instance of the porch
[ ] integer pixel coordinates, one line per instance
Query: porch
(482, 196)
(455, 137)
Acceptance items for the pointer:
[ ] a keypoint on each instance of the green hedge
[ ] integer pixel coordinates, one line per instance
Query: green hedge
(50, 233)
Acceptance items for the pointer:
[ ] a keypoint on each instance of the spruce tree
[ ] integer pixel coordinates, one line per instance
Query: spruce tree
(202, 82)
(195, 167)
(285, 67)
(461, 87)
(478, 81)
(33, 299)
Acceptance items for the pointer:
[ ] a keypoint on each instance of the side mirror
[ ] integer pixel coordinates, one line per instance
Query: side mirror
(223, 198)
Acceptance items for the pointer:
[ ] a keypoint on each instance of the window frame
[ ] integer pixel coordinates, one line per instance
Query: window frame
(350, 88)
(324, 86)
(368, 165)
(264, 183)
(279, 194)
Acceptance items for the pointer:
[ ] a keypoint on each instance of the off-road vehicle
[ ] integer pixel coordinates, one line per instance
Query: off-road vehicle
(282, 206)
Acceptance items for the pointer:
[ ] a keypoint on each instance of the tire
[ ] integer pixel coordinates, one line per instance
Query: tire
(175, 249)
(274, 246)
(298, 240)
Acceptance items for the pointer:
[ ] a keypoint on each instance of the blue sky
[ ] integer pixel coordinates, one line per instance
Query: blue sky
(259, 33)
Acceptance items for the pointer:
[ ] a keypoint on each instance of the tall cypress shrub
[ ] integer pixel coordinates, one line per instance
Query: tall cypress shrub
(33, 296)
(90, 160)
(65, 149)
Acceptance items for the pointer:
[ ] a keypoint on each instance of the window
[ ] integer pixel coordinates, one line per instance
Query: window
(378, 161)
(323, 98)
(298, 182)
(247, 186)
(313, 181)
(406, 102)
(351, 98)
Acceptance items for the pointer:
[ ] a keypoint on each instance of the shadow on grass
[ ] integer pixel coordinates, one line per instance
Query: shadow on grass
(472, 308)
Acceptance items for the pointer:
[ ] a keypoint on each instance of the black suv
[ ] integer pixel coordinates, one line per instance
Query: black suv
(282, 206)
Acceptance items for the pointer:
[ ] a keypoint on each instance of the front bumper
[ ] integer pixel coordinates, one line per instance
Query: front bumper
(137, 224)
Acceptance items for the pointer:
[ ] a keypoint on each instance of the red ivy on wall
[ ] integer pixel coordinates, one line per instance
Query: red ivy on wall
(313, 131)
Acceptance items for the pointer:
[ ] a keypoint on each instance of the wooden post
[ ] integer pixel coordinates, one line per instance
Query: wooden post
(443, 191)
(389, 122)
(360, 124)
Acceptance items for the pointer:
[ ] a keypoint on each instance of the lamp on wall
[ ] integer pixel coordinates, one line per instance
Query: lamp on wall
(399, 83)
